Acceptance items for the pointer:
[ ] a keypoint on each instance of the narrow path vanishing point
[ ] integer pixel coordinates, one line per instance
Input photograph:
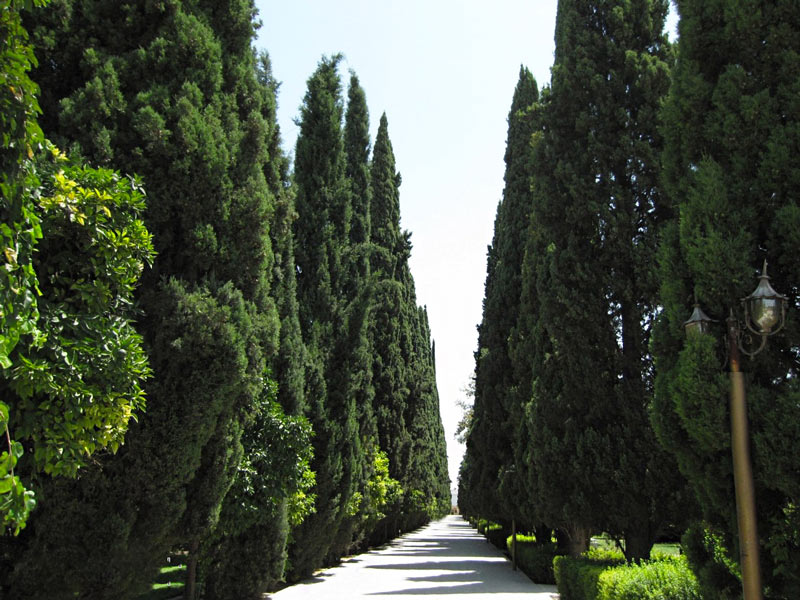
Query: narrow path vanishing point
(445, 559)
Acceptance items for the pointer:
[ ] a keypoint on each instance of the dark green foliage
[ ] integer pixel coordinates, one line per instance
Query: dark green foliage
(110, 495)
(497, 535)
(357, 148)
(331, 319)
(390, 334)
(731, 126)
(563, 370)
(535, 558)
(406, 398)
(169, 90)
(358, 295)
(253, 279)
(594, 228)
(370, 377)
(712, 564)
(245, 556)
(577, 577)
(497, 410)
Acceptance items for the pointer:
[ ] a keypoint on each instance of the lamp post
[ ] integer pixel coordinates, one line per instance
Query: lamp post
(764, 315)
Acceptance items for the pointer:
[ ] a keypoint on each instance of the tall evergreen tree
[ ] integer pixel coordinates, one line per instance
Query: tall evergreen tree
(169, 91)
(357, 149)
(359, 296)
(427, 469)
(406, 400)
(731, 125)
(596, 210)
(246, 554)
(331, 316)
(495, 417)
(390, 361)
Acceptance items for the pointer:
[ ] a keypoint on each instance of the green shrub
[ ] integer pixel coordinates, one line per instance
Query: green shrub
(496, 535)
(603, 575)
(577, 578)
(482, 524)
(535, 560)
(665, 579)
(716, 572)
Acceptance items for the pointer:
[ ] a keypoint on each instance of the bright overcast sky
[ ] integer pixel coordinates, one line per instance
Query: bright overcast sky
(444, 71)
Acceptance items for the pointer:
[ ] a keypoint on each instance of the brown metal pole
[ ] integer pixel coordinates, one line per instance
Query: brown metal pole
(514, 543)
(743, 474)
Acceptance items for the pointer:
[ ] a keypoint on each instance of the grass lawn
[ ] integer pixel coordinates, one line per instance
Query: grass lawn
(169, 583)
(609, 544)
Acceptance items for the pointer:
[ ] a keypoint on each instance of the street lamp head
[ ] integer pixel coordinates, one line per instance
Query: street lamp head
(764, 308)
(699, 323)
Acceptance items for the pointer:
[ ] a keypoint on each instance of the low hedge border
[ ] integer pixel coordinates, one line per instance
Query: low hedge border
(604, 575)
(535, 560)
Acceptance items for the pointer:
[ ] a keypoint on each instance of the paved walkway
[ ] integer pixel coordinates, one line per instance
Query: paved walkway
(446, 559)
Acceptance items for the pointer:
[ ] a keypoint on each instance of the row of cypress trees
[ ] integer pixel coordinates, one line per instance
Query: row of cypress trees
(292, 412)
(644, 176)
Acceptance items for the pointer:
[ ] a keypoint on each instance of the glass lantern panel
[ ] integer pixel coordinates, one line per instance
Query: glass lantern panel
(765, 312)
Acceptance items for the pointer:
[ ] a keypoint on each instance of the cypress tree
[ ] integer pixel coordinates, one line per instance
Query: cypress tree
(428, 457)
(332, 329)
(388, 333)
(357, 149)
(359, 292)
(490, 442)
(246, 554)
(730, 126)
(406, 400)
(169, 91)
(596, 210)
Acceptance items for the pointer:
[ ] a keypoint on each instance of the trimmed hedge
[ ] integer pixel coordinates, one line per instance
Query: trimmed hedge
(535, 560)
(577, 578)
(494, 532)
(497, 536)
(669, 578)
(606, 576)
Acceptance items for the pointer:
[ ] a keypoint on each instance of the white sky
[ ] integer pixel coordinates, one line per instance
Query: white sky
(444, 71)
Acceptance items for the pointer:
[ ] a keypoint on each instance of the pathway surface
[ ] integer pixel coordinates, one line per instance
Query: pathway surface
(446, 559)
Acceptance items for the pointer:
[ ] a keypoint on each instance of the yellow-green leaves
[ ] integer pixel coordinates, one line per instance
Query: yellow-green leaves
(16, 502)
(78, 381)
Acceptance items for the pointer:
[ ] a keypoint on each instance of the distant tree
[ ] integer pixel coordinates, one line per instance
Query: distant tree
(730, 127)
(428, 459)
(466, 405)
(389, 333)
(406, 400)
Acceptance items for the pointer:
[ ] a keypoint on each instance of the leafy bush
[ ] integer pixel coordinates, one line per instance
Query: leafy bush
(482, 524)
(717, 573)
(603, 575)
(577, 578)
(496, 535)
(666, 579)
(535, 560)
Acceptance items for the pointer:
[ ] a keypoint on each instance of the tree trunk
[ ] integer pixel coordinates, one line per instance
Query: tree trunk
(578, 539)
(191, 571)
(543, 534)
(638, 546)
